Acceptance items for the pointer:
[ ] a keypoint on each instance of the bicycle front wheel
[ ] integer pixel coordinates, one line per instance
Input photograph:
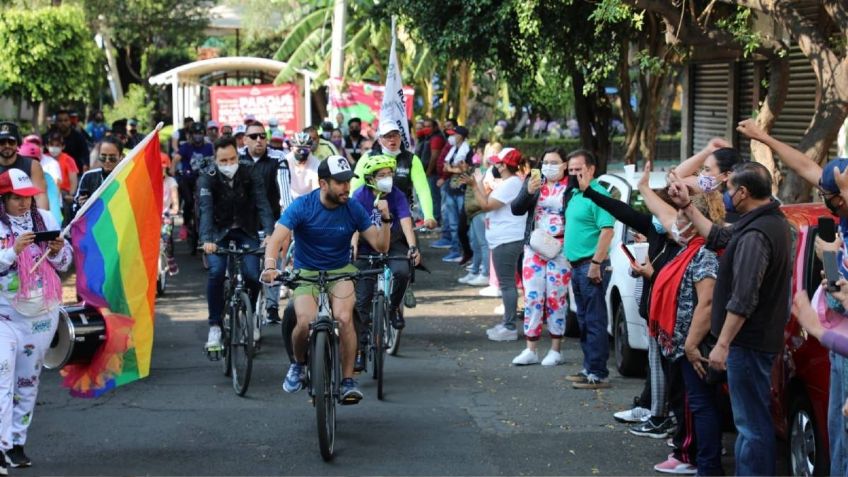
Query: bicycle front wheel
(241, 344)
(393, 337)
(379, 317)
(321, 374)
(226, 332)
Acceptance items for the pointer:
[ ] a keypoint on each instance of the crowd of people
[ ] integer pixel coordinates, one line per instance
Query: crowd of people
(525, 229)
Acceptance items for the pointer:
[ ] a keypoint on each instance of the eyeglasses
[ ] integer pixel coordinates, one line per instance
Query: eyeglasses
(256, 136)
(109, 158)
(8, 142)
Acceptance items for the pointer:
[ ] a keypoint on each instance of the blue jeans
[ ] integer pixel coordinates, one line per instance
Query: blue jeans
(749, 380)
(448, 221)
(705, 412)
(479, 245)
(452, 203)
(592, 318)
(836, 422)
(218, 271)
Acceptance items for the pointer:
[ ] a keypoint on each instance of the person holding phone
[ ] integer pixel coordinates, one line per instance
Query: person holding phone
(109, 154)
(546, 273)
(30, 296)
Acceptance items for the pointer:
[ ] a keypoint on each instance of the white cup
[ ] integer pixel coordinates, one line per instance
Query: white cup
(630, 170)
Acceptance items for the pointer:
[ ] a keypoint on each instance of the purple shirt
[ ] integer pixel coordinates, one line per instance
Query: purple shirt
(398, 207)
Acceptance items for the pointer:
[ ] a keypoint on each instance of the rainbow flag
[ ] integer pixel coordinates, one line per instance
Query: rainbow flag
(116, 249)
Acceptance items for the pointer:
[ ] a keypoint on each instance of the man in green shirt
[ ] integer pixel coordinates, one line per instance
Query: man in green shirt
(588, 233)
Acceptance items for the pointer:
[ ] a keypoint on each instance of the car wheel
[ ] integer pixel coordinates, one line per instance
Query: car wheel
(807, 454)
(630, 362)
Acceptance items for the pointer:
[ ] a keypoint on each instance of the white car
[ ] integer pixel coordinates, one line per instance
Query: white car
(627, 328)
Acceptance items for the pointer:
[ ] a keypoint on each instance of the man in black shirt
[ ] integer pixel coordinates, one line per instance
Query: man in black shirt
(353, 141)
(75, 143)
(233, 207)
(749, 312)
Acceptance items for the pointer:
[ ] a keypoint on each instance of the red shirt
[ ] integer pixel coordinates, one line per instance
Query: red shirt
(68, 166)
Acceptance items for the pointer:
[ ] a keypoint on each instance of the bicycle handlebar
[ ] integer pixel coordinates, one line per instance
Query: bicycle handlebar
(239, 252)
(323, 278)
(382, 257)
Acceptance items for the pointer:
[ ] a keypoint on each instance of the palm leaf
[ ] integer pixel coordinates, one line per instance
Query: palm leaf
(300, 57)
(302, 32)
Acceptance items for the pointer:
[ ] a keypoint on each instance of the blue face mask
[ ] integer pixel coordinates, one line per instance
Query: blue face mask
(729, 206)
(658, 226)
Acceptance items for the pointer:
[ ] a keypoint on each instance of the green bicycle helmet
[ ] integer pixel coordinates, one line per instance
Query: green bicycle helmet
(374, 163)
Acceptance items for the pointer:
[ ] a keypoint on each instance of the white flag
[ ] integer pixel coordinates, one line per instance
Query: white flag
(393, 108)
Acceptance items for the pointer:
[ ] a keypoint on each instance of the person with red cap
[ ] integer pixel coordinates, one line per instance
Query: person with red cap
(30, 296)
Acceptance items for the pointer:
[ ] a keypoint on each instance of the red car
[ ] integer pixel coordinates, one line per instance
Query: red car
(801, 374)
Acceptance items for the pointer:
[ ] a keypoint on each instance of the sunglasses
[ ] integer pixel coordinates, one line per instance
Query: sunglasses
(107, 158)
(8, 142)
(256, 136)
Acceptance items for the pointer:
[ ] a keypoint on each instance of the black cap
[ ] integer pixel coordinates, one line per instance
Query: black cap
(461, 130)
(119, 126)
(336, 167)
(10, 131)
(327, 126)
(198, 128)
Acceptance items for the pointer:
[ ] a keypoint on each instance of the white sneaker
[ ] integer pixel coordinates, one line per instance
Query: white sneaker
(490, 291)
(553, 358)
(469, 267)
(478, 281)
(527, 357)
(213, 342)
(499, 310)
(257, 333)
(469, 276)
(502, 333)
(633, 416)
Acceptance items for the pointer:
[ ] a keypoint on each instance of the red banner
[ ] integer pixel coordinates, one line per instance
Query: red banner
(230, 104)
(364, 100)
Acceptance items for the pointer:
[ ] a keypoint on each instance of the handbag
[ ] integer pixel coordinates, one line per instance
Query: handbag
(545, 244)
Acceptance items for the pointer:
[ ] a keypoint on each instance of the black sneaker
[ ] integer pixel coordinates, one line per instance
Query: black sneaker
(17, 458)
(273, 315)
(397, 320)
(3, 465)
(655, 428)
(359, 364)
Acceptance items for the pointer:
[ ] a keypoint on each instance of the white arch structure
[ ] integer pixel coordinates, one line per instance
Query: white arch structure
(185, 82)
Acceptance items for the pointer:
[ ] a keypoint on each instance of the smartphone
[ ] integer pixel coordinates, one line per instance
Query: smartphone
(629, 254)
(827, 229)
(831, 270)
(535, 174)
(46, 236)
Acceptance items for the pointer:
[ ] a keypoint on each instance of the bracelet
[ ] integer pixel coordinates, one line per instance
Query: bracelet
(386, 221)
(595, 262)
(686, 206)
(270, 268)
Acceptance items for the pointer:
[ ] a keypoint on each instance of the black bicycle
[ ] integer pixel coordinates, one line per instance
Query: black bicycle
(323, 359)
(238, 345)
(383, 337)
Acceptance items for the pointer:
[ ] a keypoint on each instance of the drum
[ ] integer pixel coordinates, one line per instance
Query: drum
(80, 334)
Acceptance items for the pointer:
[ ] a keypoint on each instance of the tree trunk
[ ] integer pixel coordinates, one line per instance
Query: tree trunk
(768, 113)
(593, 113)
(465, 79)
(427, 90)
(628, 116)
(443, 114)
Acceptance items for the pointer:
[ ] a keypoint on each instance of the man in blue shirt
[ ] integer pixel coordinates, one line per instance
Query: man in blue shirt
(195, 156)
(323, 223)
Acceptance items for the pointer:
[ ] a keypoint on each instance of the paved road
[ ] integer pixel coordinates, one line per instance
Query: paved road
(454, 406)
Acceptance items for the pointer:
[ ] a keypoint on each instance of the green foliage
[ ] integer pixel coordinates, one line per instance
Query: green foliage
(133, 105)
(48, 53)
(740, 25)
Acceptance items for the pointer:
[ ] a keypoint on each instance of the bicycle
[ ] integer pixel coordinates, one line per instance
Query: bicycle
(237, 327)
(383, 337)
(323, 360)
(163, 269)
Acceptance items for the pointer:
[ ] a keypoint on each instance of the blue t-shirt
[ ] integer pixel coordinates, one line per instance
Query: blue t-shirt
(398, 207)
(193, 157)
(322, 235)
(843, 253)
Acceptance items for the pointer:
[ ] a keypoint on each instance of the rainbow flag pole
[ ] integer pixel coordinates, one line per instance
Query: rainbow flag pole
(116, 250)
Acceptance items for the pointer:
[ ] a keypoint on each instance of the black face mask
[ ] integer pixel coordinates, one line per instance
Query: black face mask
(572, 181)
(832, 208)
(302, 155)
(496, 173)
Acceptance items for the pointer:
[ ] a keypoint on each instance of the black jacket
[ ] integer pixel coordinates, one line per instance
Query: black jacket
(242, 204)
(268, 167)
(754, 285)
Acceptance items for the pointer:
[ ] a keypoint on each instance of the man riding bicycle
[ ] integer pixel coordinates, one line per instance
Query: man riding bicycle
(378, 171)
(192, 159)
(233, 207)
(303, 165)
(323, 223)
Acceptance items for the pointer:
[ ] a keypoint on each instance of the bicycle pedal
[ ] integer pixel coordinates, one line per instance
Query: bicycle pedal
(350, 401)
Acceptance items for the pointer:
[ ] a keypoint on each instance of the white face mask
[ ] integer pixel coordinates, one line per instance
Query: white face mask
(552, 172)
(229, 171)
(391, 153)
(54, 150)
(452, 140)
(384, 185)
(677, 234)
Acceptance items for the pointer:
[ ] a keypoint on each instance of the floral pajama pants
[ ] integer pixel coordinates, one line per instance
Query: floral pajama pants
(23, 343)
(545, 294)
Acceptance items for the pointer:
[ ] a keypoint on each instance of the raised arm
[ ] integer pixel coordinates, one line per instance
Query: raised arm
(525, 200)
(618, 209)
(663, 211)
(793, 158)
(692, 165)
